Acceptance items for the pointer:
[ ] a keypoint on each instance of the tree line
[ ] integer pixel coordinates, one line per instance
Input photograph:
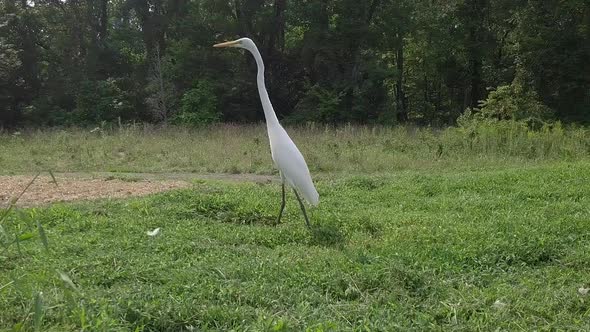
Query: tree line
(85, 62)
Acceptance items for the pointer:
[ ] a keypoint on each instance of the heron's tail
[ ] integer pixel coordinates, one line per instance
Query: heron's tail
(311, 195)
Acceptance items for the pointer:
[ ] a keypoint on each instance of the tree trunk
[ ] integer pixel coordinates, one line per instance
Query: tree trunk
(103, 20)
(276, 38)
(475, 80)
(402, 112)
(476, 16)
(372, 10)
(153, 25)
(316, 36)
(355, 50)
(162, 92)
(30, 55)
(474, 67)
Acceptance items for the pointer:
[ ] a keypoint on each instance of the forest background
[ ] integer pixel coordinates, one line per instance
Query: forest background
(424, 62)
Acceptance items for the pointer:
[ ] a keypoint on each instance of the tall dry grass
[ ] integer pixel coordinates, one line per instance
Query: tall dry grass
(230, 148)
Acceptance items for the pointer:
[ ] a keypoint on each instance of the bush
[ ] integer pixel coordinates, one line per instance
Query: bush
(198, 106)
(514, 102)
(99, 101)
(45, 110)
(318, 105)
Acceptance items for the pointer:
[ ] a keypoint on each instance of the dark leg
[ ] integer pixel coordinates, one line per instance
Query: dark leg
(282, 204)
(302, 208)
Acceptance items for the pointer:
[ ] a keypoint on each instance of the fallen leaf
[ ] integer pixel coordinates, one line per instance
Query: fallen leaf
(154, 232)
(499, 305)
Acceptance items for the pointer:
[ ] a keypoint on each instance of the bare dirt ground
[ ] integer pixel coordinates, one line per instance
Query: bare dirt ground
(87, 186)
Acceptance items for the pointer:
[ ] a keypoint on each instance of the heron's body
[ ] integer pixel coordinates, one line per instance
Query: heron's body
(291, 164)
(285, 154)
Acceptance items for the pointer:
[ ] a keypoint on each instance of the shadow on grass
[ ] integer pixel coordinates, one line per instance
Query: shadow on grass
(327, 236)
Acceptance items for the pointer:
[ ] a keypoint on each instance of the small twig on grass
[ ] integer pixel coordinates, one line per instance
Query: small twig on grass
(6, 285)
(53, 180)
(15, 199)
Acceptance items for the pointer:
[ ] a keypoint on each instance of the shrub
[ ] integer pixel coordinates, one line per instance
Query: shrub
(514, 102)
(99, 101)
(198, 106)
(318, 105)
(45, 110)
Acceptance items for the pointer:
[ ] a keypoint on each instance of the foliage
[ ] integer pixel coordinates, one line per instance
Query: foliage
(101, 101)
(510, 102)
(198, 106)
(318, 105)
(395, 61)
(548, 34)
(9, 61)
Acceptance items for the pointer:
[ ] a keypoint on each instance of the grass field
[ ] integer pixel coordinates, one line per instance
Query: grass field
(499, 241)
(244, 149)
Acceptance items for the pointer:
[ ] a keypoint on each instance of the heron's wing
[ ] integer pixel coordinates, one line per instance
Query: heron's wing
(293, 167)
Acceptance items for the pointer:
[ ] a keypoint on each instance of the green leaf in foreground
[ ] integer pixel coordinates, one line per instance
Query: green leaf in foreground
(38, 317)
(67, 280)
(26, 236)
(42, 235)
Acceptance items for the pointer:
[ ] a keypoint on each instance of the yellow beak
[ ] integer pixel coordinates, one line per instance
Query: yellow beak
(226, 44)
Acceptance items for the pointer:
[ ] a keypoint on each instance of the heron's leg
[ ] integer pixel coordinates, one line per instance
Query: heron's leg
(302, 208)
(282, 203)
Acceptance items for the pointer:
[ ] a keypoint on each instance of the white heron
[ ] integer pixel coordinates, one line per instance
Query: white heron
(287, 158)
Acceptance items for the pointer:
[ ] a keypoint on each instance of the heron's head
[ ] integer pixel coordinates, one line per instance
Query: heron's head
(245, 43)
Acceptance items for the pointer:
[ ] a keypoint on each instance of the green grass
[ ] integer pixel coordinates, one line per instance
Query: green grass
(245, 149)
(495, 249)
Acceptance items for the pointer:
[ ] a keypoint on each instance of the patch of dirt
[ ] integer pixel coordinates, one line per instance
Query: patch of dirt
(44, 190)
(242, 177)
(87, 186)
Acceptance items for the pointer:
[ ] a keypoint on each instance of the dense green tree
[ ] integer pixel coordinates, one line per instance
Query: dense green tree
(554, 50)
(68, 62)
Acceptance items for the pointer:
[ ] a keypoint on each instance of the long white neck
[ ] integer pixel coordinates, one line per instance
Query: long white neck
(269, 113)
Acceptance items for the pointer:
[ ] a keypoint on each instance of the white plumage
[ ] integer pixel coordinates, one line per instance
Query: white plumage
(286, 156)
(291, 164)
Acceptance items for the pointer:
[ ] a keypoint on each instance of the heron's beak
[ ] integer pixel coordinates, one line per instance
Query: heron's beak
(226, 44)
